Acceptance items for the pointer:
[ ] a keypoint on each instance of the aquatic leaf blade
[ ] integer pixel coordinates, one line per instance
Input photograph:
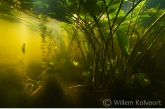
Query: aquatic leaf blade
(124, 44)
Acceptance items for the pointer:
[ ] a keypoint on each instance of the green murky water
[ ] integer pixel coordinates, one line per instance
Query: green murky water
(13, 36)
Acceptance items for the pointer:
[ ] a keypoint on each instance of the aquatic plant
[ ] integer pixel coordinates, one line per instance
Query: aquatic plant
(103, 32)
(49, 95)
(22, 66)
(100, 44)
(103, 27)
(11, 86)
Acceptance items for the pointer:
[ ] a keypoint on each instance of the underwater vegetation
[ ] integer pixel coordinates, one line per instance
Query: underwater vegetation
(97, 50)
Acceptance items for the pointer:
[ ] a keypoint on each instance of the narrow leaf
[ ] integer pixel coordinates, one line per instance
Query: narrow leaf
(124, 44)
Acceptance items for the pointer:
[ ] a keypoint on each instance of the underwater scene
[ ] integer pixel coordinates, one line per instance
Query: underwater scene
(82, 53)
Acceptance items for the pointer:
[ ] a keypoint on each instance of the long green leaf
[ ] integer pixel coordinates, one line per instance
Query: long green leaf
(124, 43)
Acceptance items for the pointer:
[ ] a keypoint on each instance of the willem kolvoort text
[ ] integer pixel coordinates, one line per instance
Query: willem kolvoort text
(136, 102)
